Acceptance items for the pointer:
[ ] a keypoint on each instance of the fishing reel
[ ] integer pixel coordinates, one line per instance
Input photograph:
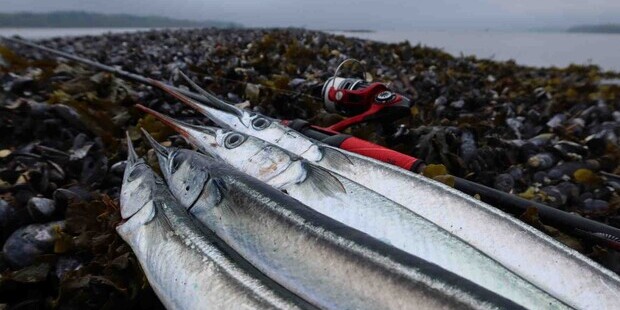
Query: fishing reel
(362, 101)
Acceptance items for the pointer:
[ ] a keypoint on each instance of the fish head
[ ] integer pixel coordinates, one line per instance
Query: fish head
(249, 154)
(139, 184)
(186, 172)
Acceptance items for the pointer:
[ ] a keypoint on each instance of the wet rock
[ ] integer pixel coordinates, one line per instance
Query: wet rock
(441, 101)
(596, 145)
(566, 170)
(252, 91)
(556, 121)
(6, 213)
(76, 193)
(542, 161)
(555, 197)
(602, 193)
(516, 173)
(540, 177)
(24, 246)
(571, 150)
(118, 168)
(469, 149)
(67, 264)
(595, 205)
(31, 274)
(457, 104)
(570, 190)
(41, 209)
(504, 182)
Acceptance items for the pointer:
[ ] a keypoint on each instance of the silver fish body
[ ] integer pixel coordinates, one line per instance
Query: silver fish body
(358, 207)
(186, 267)
(564, 273)
(323, 261)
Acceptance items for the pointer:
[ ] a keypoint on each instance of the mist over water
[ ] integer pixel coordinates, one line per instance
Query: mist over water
(541, 49)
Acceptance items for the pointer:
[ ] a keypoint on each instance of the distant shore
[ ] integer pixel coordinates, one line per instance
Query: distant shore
(96, 20)
(608, 29)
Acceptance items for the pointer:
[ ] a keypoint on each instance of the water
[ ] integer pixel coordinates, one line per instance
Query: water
(527, 48)
(44, 33)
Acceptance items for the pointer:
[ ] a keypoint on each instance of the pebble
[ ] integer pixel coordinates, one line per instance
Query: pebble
(25, 244)
(41, 208)
(595, 205)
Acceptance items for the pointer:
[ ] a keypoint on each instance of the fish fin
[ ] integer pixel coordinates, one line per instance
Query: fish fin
(323, 180)
(334, 155)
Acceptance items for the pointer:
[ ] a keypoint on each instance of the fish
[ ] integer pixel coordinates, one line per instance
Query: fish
(186, 266)
(360, 208)
(562, 272)
(325, 262)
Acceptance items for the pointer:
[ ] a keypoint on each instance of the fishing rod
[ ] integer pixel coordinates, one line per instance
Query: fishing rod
(119, 72)
(362, 98)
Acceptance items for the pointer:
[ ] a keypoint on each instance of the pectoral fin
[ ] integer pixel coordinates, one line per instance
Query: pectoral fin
(323, 180)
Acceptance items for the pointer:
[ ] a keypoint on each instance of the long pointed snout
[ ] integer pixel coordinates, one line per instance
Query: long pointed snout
(132, 157)
(193, 133)
(220, 112)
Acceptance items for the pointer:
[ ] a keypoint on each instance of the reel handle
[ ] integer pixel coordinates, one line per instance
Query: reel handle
(363, 102)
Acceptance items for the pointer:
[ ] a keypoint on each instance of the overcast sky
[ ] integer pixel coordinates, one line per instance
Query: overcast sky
(366, 14)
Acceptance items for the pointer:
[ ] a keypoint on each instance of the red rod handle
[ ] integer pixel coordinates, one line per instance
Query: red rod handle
(356, 145)
(378, 152)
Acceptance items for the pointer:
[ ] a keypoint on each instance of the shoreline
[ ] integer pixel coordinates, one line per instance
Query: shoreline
(529, 48)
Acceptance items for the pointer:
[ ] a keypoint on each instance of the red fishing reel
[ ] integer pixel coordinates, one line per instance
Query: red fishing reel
(362, 101)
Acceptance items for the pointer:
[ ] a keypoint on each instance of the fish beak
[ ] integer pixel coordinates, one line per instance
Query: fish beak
(197, 135)
(212, 98)
(132, 157)
(220, 112)
(162, 152)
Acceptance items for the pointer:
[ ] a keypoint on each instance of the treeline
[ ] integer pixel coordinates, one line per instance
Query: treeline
(607, 28)
(95, 20)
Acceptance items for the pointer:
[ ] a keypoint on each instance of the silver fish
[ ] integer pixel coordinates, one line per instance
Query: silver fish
(185, 265)
(563, 272)
(323, 261)
(360, 208)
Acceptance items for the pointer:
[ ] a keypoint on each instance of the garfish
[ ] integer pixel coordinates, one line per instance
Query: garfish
(360, 208)
(563, 272)
(321, 260)
(185, 265)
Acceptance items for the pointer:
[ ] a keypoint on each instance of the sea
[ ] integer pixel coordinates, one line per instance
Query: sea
(540, 49)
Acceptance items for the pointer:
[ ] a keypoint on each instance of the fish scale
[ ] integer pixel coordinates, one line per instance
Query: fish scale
(325, 262)
(362, 209)
(185, 264)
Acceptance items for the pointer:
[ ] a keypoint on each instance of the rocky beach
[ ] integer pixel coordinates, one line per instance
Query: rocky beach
(549, 135)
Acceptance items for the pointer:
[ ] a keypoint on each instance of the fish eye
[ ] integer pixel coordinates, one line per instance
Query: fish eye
(176, 163)
(260, 123)
(136, 172)
(233, 140)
